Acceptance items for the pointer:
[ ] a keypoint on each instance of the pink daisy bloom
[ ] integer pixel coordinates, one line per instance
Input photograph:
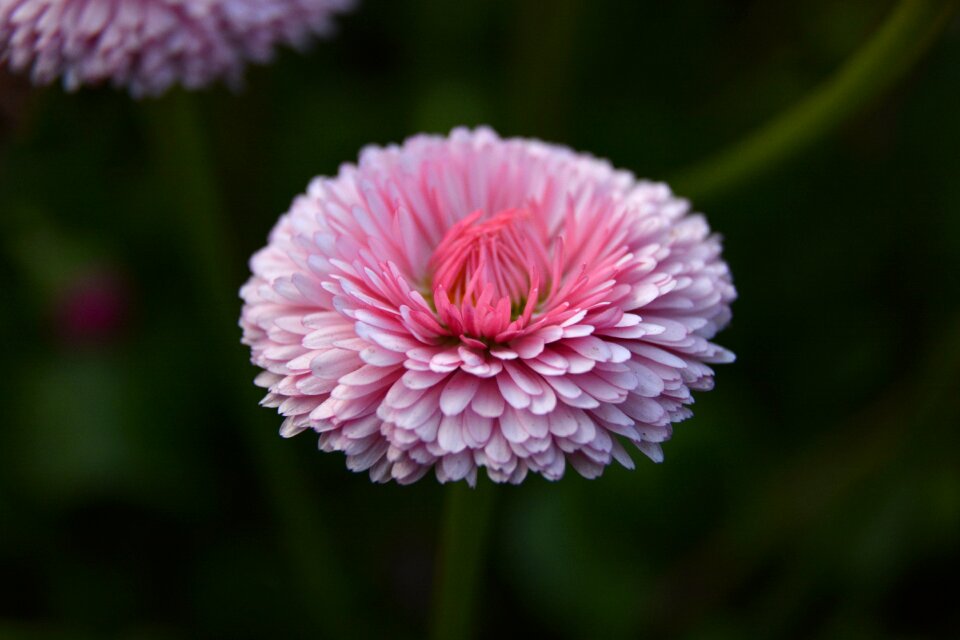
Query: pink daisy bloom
(149, 45)
(467, 301)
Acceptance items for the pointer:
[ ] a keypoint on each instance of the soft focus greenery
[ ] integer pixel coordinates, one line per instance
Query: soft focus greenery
(815, 494)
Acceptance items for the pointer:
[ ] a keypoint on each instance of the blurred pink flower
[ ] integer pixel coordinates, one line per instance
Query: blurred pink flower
(466, 301)
(149, 45)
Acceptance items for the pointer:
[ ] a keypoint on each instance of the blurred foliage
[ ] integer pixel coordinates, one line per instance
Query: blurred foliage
(815, 494)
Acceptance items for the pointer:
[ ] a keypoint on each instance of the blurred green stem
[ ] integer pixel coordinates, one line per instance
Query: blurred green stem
(844, 459)
(543, 67)
(176, 135)
(466, 524)
(899, 43)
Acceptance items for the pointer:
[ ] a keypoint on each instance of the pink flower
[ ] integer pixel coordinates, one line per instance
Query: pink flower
(149, 45)
(464, 302)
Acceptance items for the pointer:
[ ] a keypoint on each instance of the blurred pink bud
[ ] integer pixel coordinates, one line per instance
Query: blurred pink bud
(94, 307)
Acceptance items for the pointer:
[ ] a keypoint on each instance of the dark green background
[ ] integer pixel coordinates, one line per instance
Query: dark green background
(816, 493)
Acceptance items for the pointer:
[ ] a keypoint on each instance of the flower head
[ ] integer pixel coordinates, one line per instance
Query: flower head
(149, 45)
(467, 301)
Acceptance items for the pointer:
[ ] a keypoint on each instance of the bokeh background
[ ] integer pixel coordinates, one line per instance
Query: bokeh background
(816, 493)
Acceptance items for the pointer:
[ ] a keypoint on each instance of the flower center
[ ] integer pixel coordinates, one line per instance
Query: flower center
(500, 257)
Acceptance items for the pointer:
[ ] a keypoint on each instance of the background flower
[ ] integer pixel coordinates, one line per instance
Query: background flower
(471, 302)
(148, 45)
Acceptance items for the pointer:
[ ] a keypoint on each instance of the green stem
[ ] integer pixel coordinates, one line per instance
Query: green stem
(543, 69)
(846, 458)
(460, 563)
(176, 135)
(899, 43)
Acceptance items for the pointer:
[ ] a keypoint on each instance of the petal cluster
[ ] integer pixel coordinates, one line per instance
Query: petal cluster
(467, 302)
(149, 45)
